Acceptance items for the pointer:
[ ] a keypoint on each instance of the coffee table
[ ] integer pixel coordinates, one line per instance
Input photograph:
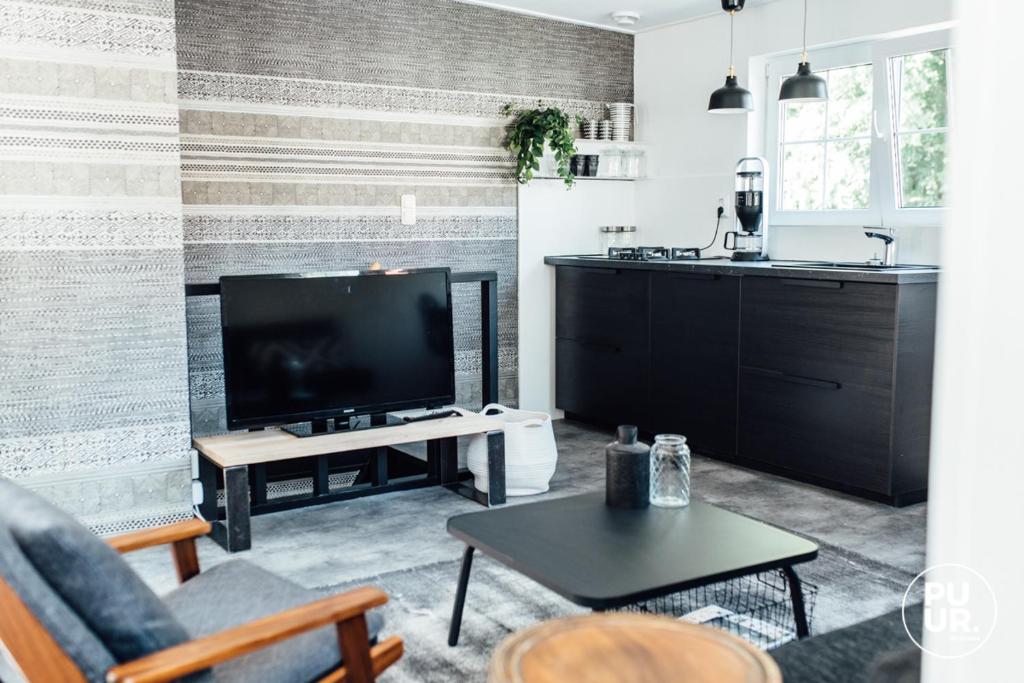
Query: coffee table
(606, 558)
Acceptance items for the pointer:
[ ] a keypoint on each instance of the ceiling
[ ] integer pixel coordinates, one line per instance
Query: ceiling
(653, 13)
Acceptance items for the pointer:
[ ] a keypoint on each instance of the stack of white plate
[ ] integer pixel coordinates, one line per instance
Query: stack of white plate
(621, 116)
(590, 129)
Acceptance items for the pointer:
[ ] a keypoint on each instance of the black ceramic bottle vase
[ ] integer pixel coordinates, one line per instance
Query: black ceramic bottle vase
(627, 471)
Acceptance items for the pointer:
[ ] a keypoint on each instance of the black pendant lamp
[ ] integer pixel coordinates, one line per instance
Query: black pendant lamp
(731, 98)
(804, 86)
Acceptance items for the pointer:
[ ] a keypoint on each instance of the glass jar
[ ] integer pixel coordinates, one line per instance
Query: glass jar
(633, 164)
(618, 236)
(612, 167)
(670, 471)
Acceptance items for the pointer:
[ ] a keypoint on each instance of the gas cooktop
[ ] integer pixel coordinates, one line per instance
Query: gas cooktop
(653, 253)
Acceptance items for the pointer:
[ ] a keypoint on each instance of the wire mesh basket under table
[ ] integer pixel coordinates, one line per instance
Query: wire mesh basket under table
(757, 608)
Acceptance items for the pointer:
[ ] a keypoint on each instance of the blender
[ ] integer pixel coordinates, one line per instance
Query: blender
(750, 242)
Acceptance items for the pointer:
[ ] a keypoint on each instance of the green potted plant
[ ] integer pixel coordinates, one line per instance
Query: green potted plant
(526, 134)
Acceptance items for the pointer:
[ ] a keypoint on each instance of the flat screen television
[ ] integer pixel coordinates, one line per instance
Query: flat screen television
(308, 347)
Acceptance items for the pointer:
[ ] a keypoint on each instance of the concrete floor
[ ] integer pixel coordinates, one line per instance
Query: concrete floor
(869, 553)
(340, 542)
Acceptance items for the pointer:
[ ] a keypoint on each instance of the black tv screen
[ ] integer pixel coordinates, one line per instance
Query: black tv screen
(308, 347)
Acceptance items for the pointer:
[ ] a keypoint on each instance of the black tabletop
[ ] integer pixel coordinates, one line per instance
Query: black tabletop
(602, 557)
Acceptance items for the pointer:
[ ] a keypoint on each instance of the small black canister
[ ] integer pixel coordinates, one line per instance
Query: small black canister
(627, 471)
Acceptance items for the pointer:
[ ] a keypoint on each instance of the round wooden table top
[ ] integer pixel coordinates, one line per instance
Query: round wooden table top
(600, 648)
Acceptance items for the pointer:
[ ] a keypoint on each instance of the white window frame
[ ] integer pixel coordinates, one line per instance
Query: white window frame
(883, 207)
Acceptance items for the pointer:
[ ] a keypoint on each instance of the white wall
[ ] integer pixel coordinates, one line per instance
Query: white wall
(975, 513)
(692, 153)
(552, 221)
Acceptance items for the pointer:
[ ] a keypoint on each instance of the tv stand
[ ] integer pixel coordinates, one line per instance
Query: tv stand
(336, 425)
(230, 457)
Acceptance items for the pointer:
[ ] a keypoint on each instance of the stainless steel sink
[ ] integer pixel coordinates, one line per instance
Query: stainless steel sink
(852, 265)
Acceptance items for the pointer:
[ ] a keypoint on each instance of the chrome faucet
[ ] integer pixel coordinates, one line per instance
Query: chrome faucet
(887, 236)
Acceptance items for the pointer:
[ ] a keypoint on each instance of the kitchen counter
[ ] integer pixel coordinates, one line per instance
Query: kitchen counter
(819, 374)
(787, 269)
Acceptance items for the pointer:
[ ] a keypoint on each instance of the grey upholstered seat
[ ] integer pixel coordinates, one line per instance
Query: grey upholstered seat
(242, 592)
(101, 613)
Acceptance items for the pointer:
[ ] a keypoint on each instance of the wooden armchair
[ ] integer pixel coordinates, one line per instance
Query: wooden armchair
(43, 657)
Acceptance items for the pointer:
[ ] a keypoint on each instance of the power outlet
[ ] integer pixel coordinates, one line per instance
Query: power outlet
(408, 209)
(722, 203)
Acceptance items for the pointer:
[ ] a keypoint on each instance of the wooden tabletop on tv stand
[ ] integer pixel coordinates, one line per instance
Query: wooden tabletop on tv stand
(269, 445)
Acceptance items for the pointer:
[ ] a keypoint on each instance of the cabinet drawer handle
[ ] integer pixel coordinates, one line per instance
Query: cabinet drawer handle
(602, 271)
(600, 347)
(811, 382)
(819, 284)
(797, 379)
(696, 276)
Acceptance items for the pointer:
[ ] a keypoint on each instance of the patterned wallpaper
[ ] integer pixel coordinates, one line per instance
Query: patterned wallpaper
(94, 406)
(303, 122)
(144, 143)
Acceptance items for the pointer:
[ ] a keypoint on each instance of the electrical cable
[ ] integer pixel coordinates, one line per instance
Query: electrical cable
(718, 224)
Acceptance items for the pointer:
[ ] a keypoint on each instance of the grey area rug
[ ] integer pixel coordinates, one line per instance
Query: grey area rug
(851, 588)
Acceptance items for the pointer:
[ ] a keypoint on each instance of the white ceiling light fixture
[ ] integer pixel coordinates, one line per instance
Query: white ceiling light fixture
(626, 17)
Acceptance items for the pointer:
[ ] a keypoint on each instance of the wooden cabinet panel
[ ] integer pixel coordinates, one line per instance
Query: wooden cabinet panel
(602, 351)
(603, 383)
(603, 306)
(694, 345)
(835, 432)
(841, 331)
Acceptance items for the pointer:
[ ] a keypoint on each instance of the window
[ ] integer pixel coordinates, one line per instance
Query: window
(875, 152)
(920, 119)
(826, 146)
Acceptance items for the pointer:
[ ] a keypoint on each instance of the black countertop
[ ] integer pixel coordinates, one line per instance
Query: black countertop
(790, 269)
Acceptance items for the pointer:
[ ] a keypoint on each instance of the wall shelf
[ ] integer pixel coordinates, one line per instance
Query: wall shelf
(587, 177)
(586, 145)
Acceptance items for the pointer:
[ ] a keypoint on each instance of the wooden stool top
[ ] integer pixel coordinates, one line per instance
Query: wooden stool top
(612, 648)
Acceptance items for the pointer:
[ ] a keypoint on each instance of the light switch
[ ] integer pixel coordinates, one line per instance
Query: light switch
(408, 209)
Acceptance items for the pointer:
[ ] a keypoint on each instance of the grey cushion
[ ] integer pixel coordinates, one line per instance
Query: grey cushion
(850, 655)
(237, 591)
(90, 578)
(71, 634)
(899, 666)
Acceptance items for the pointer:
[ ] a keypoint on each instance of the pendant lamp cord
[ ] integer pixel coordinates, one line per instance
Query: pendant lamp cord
(732, 17)
(804, 55)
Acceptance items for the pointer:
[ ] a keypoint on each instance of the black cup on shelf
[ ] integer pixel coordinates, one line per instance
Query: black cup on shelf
(577, 164)
(592, 162)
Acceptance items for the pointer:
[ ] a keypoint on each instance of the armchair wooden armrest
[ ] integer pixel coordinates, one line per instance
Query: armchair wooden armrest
(347, 610)
(161, 535)
(181, 536)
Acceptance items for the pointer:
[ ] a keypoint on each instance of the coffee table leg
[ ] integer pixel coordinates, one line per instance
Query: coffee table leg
(797, 595)
(460, 597)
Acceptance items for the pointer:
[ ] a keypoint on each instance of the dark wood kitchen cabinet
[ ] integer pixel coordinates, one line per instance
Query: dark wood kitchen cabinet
(835, 382)
(602, 345)
(694, 347)
(822, 379)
